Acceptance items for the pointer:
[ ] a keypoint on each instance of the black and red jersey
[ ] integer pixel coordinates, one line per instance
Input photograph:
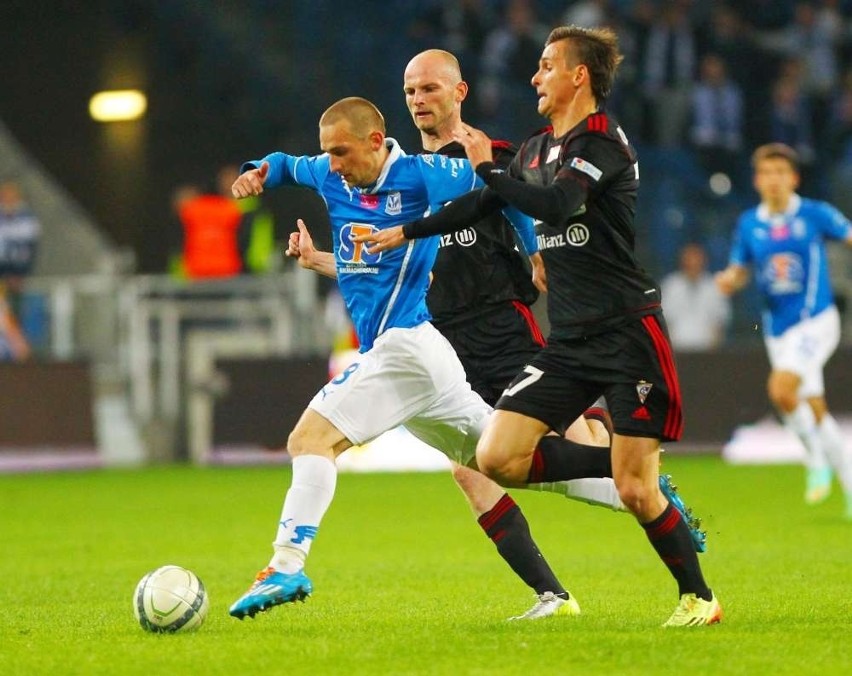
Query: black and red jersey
(588, 242)
(478, 267)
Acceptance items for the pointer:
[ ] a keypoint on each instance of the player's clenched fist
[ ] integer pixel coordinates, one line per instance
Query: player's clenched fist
(250, 182)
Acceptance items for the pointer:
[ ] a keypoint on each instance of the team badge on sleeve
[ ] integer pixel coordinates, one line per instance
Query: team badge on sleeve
(587, 168)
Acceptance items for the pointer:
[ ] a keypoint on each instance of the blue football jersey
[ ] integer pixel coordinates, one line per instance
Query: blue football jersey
(385, 290)
(788, 254)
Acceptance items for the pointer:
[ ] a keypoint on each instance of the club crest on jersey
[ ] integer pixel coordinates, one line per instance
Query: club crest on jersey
(534, 163)
(643, 389)
(394, 204)
(553, 154)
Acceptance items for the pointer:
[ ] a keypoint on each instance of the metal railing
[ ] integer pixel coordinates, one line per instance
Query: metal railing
(135, 330)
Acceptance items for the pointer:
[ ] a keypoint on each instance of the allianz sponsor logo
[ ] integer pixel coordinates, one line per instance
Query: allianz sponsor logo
(550, 241)
(466, 237)
(576, 234)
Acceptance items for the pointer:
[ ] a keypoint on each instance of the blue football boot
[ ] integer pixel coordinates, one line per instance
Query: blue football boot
(699, 537)
(271, 588)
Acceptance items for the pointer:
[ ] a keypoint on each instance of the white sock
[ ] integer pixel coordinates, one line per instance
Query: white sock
(310, 494)
(835, 449)
(600, 492)
(803, 424)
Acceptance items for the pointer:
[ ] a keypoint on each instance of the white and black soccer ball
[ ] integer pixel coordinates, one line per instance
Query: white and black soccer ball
(170, 599)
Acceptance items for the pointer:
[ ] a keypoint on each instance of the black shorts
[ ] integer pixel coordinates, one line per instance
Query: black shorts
(495, 346)
(632, 365)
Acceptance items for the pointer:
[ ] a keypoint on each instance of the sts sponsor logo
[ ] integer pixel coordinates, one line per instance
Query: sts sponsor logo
(355, 253)
(784, 273)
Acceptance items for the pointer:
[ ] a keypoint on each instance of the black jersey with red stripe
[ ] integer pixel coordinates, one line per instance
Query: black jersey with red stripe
(594, 279)
(480, 266)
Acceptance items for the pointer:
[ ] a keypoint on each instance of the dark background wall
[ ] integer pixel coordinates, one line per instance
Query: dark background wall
(46, 405)
(720, 392)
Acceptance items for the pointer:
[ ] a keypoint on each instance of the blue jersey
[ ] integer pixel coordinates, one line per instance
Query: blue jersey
(788, 254)
(385, 290)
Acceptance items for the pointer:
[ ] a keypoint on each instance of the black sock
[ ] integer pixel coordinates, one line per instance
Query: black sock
(670, 537)
(507, 527)
(557, 459)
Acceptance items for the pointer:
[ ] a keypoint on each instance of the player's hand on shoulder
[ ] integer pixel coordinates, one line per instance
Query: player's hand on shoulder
(382, 240)
(250, 182)
(477, 144)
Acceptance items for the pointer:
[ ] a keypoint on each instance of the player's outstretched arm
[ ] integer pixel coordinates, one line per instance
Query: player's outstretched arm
(732, 279)
(458, 215)
(251, 182)
(382, 240)
(301, 247)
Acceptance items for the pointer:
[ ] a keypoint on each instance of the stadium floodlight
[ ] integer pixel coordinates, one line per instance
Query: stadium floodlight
(118, 105)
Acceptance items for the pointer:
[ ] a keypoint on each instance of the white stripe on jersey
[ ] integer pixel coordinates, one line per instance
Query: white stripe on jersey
(396, 288)
(813, 279)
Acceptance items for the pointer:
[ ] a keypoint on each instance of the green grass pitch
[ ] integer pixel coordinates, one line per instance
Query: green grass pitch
(406, 582)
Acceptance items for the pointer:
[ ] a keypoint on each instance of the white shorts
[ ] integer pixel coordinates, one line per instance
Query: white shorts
(411, 377)
(804, 349)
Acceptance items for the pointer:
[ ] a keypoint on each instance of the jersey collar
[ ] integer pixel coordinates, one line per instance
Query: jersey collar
(792, 208)
(395, 153)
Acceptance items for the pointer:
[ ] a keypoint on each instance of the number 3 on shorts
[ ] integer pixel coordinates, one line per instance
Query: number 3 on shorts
(534, 375)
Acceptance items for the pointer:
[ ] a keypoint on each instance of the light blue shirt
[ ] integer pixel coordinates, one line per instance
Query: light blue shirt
(385, 290)
(788, 253)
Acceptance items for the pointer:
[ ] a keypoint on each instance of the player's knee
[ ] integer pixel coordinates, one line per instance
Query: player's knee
(299, 442)
(635, 495)
(782, 389)
(783, 398)
(495, 467)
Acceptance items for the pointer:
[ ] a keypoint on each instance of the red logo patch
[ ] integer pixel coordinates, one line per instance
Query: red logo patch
(641, 413)
(369, 201)
(534, 163)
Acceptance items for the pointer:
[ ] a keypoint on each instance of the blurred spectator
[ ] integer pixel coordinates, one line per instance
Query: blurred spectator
(19, 237)
(13, 344)
(587, 13)
(696, 312)
(509, 59)
(256, 232)
(717, 117)
(461, 27)
(790, 116)
(839, 146)
(210, 224)
(767, 14)
(180, 195)
(668, 72)
(813, 37)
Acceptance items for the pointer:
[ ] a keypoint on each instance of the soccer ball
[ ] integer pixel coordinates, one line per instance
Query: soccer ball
(170, 599)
